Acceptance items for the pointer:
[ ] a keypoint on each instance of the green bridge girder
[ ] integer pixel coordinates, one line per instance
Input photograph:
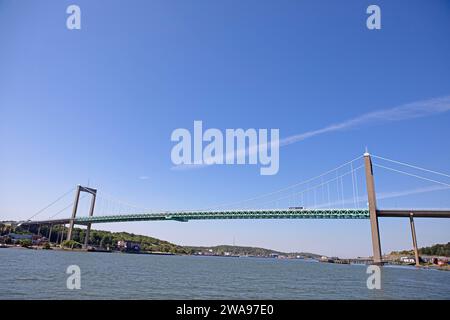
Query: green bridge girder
(185, 216)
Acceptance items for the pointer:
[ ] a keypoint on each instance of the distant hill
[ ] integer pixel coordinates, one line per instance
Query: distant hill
(236, 250)
(435, 250)
(248, 251)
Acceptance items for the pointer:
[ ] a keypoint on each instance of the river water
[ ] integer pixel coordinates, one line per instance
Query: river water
(40, 274)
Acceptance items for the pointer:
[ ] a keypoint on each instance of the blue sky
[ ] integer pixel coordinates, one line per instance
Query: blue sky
(98, 106)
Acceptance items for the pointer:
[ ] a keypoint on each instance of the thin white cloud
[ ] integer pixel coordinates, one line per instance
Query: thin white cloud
(182, 167)
(143, 178)
(408, 111)
(404, 112)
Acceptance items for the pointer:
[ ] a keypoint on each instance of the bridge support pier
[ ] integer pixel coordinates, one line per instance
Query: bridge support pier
(88, 227)
(63, 227)
(74, 212)
(57, 236)
(75, 207)
(50, 233)
(413, 233)
(376, 245)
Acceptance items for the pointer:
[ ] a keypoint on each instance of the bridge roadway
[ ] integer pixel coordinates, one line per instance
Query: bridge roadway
(185, 216)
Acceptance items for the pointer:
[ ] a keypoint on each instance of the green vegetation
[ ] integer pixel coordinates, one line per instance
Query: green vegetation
(25, 243)
(71, 244)
(105, 239)
(435, 250)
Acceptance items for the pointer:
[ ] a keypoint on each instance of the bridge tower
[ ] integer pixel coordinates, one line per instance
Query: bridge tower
(370, 184)
(80, 189)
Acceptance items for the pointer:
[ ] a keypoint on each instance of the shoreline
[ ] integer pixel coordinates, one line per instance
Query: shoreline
(387, 264)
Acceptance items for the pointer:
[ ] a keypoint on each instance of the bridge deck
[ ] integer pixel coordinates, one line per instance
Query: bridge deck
(428, 213)
(185, 216)
(238, 214)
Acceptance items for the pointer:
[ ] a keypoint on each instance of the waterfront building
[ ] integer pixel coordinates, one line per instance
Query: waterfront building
(128, 246)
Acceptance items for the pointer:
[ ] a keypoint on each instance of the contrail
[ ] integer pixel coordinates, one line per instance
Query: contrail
(408, 111)
(404, 112)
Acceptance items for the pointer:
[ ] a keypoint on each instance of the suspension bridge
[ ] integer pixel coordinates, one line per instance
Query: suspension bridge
(321, 197)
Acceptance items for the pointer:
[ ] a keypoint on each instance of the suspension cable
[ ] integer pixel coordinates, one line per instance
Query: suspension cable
(52, 203)
(68, 206)
(412, 175)
(285, 188)
(107, 196)
(412, 166)
(316, 186)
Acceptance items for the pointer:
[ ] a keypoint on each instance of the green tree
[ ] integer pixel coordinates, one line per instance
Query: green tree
(25, 243)
(70, 244)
